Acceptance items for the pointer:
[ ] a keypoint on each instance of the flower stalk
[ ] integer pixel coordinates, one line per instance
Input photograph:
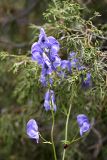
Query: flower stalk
(52, 131)
(66, 129)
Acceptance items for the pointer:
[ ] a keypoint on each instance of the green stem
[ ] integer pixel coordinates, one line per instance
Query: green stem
(45, 141)
(77, 139)
(66, 129)
(52, 130)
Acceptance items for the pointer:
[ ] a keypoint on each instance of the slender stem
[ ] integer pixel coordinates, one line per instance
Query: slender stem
(66, 129)
(75, 140)
(45, 141)
(16, 56)
(52, 130)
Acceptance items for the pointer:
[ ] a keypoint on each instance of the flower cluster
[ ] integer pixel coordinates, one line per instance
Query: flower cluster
(45, 52)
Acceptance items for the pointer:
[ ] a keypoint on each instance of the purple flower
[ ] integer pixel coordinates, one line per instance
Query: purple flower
(66, 64)
(54, 45)
(57, 62)
(46, 60)
(32, 130)
(81, 67)
(43, 79)
(37, 53)
(45, 52)
(71, 55)
(86, 82)
(49, 102)
(75, 62)
(47, 45)
(83, 122)
(72, 62)
(48, 42)
(69, 64)
(42, 38)
(45, 75)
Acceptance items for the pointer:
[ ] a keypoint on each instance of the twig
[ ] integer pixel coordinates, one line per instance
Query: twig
(94, 146)
(100, 37)
(99, 143)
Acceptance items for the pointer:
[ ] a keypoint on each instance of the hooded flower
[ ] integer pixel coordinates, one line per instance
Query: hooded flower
(47, 45)
(83, 122)
(45, 75)
(72, 62)
(87, 82)
(71, 55)
(66, 64)
(32, 130)
(75, 62)
(49, 102)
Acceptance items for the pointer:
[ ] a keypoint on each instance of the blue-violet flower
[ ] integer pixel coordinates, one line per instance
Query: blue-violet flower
(87, 82)
(49, 102)
(83, 122)
(32, 130)
(46, 49)
(45, 52)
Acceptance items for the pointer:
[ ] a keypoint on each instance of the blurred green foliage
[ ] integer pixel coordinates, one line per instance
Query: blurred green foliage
(21, 94)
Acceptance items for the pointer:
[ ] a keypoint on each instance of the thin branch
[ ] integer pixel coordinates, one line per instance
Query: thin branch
(94, 146)
(100, 37)
(98, 145)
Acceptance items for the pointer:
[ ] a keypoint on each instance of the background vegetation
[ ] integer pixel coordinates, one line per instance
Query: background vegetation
(79, 26)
